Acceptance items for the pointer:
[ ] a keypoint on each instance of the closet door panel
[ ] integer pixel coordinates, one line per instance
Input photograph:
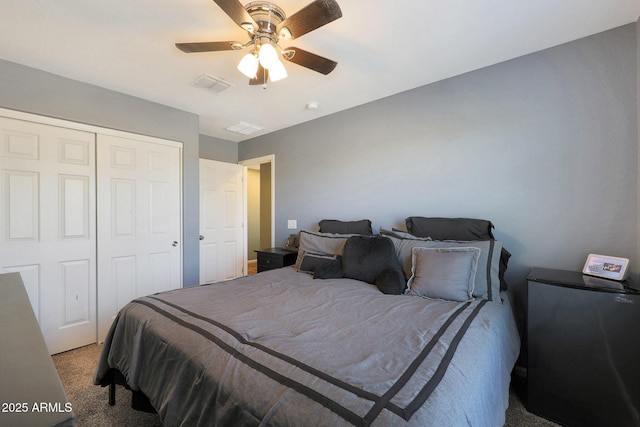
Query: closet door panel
(139, 222)
(22, 208)
(74, 207)
(123, 272)
(123, 207)
(31, 279)
(48, 226)
(75, 276)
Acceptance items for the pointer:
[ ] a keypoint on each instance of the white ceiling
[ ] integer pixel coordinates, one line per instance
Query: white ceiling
(382, 48)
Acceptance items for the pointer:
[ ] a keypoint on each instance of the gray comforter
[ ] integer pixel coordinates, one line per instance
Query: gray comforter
(280, 348)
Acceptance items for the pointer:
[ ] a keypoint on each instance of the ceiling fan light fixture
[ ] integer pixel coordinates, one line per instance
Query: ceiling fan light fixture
(249, 65)
(267, 25)
(268, 56)
(277, 71)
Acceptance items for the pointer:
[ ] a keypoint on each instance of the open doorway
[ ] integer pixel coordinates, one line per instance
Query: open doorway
(260, 206)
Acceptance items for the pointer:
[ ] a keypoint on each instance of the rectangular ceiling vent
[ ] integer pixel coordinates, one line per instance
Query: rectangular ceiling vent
(244, 128)
(211, 84)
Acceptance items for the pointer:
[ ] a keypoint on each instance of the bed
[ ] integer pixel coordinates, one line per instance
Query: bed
(286, 348)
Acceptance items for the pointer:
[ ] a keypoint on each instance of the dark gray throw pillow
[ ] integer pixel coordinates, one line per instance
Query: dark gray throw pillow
(311, 261)
(365, 258)
(391, 281)
(450, 228)
(331, 269)
(362, 226)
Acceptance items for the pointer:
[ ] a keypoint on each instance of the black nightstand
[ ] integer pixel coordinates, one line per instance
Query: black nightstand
(583, 349)
(271, 258)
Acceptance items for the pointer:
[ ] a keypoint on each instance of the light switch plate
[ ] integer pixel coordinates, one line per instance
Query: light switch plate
(292, 224)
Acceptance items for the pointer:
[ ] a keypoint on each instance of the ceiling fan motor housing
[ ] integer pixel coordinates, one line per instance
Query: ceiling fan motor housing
(267, 15)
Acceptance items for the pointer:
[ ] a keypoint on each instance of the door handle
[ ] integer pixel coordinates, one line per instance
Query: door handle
(201, 237)
(174, 244)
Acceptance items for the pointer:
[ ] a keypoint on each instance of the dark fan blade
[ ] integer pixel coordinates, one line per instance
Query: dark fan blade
(310, 60)
(312, 16)
(206, 46)
(261, 76)
(238, 13)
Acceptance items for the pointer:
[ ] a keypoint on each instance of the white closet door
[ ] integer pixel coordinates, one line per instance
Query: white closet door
(139, 222)
(48, 226)
(222, 218)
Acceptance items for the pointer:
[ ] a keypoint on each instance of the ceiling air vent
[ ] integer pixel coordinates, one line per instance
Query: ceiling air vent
(211, 84)
(244, 128)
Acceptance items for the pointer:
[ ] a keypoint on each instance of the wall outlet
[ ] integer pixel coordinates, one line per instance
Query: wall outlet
(292, 224)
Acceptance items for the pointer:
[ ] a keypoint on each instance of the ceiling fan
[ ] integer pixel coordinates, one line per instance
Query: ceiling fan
(267, 25)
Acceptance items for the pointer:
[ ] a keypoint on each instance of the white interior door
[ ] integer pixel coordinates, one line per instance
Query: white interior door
(48, 226)
(139, 222)
(223, 253)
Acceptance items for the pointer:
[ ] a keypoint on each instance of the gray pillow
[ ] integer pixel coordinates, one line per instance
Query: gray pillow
(443, 273)
(458, 229)
(319, 244)
(401, 234)
(487, 283)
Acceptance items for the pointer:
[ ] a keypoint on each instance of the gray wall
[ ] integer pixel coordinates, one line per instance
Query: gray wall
(545, 146)
(34, 91)
(218, 149)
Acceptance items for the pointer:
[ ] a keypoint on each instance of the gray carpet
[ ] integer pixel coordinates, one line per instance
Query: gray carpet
(90, 405)
(91, 408)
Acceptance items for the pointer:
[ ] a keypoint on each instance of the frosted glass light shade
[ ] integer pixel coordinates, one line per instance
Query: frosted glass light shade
(277, 71)
(268, 56)
(249, 65)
